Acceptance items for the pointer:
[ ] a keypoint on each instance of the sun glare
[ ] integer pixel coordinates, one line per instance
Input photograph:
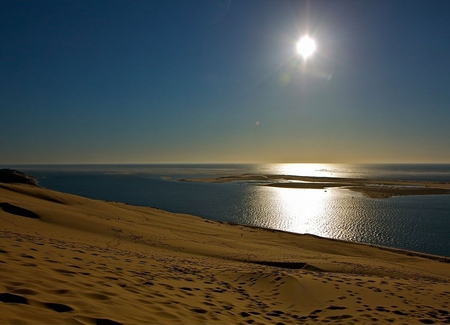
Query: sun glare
(306, 47)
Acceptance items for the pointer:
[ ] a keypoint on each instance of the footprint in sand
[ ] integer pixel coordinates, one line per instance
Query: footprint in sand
(398, 312)
(59, 291)
(339, 317)
(59, 308)
(26, 256)
(336, 307)
(65, 272)
(105, 321)
(10, 298)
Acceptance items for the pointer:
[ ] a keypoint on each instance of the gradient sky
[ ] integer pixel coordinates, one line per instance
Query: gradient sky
(219, 81)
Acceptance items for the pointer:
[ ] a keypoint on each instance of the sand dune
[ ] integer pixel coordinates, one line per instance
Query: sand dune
(69, 259)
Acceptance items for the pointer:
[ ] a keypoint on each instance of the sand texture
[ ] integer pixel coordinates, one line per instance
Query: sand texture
(369, 187)
(66, 259)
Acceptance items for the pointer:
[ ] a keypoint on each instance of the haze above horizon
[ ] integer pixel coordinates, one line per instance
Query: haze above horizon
(221, 81)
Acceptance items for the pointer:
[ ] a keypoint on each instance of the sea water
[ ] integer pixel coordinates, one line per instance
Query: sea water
(419, 223)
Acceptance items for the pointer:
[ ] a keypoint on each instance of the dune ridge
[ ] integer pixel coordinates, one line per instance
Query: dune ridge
(83, 261)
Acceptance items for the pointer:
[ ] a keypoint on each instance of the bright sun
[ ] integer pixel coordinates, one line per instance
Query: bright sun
(306, 47)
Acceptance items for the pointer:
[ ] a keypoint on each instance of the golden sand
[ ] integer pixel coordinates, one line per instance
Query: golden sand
(66, 259)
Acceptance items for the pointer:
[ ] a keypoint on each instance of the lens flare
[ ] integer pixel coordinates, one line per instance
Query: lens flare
(306, 47)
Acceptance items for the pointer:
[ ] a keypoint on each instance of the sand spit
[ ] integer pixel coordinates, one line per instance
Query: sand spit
(66, 259)
(369, 187)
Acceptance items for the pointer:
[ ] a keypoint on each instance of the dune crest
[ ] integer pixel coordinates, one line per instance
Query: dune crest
(93, 262)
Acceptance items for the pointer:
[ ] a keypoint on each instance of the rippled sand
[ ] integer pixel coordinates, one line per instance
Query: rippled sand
(69, 259)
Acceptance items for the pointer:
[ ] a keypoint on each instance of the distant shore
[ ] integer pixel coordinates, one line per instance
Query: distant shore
(369, 187)
(70, 259)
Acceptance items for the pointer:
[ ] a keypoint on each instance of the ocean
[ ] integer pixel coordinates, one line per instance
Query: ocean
(419, 223)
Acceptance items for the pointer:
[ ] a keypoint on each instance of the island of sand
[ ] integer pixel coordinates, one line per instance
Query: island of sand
(66, 259)
(371, 188)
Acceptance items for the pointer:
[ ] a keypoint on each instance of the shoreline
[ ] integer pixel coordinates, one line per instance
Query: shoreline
(70, 259)
(439, 258)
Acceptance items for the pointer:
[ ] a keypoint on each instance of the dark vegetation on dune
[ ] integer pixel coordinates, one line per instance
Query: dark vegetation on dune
(14, 176)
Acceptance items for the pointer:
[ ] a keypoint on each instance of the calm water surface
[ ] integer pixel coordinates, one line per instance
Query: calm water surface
(419, 223)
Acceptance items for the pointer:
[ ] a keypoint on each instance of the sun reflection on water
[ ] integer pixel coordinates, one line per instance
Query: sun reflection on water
(302, 210)
(312, 211)
(303, 169)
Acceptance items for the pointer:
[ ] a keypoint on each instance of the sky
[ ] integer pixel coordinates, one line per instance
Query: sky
(219, 81)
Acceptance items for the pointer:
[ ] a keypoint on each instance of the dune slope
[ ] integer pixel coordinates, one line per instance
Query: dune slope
(69, 259)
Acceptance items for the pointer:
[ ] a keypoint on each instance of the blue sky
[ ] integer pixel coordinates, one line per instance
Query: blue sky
(220, 81)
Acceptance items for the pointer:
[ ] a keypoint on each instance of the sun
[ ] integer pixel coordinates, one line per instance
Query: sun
(306, 47)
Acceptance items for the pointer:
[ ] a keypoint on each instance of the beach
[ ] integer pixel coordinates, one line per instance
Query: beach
(70, 259)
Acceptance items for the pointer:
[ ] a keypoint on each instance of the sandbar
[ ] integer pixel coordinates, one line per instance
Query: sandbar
(371, 188)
